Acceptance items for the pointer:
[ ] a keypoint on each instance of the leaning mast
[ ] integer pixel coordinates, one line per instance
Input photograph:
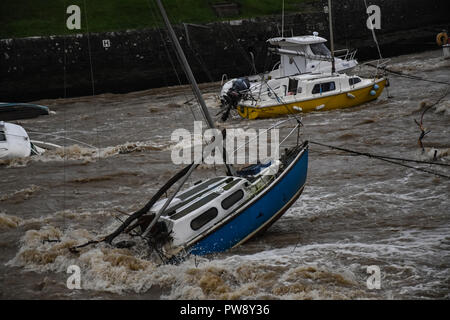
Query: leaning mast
(190, 75)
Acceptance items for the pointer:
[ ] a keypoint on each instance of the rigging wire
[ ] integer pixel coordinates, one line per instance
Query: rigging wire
(239, 45)
(376, 42)
(89, 48)
(373, 32)
(152, 7)
(63, 137)
(408, 76)
(155, 7)
(392, 160)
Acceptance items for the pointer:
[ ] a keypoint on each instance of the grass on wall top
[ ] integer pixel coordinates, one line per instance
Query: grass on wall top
(24, 18)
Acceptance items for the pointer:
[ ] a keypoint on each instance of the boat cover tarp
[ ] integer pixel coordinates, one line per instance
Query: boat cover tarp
(19, 111)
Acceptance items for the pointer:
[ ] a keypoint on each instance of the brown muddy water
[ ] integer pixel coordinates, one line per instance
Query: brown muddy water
(355, 212)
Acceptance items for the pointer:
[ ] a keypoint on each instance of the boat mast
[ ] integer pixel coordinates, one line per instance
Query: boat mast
(330, 19)
(282, 20)
(186, 67)
(191, 77)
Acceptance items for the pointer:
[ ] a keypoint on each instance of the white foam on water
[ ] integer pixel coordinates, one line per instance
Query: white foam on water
(289, 273)
(87, 154)
(9, 221)
(412, 65)
(22, 194)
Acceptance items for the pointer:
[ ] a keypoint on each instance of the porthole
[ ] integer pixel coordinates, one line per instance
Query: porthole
(228, 202)
(204, 218)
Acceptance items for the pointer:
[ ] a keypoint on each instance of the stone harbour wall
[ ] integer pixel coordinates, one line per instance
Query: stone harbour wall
(117, 62)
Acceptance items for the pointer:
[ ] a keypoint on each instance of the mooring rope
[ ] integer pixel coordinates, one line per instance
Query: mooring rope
(408, 76)
(390, 159)
(89, 48)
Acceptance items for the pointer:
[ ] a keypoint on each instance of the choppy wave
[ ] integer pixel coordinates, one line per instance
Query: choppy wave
(304, 272)
(9, 221)
(73, 216)
(414, 65)
(121, 270)
(443, 107)
(85, 154)
(20, 195)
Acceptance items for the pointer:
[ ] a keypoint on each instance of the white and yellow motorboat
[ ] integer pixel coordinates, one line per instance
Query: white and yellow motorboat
(311, 92)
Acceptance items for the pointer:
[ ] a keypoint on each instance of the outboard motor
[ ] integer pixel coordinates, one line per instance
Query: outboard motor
(235, 93)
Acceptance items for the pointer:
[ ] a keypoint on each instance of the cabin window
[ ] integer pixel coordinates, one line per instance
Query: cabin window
(2, 135)
(293, 84)
(228, 202)
(205, 200)
(204, 218)
(320, 49)
(353, 81)
(324, 87)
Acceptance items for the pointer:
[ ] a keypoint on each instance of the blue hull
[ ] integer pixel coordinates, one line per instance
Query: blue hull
(260, 213)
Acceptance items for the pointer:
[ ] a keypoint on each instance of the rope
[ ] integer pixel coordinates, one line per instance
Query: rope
(151, 5)
(63, 137)
(377, 44)
(390, 159)
(89, 48)
(400, 74)
(373, 32)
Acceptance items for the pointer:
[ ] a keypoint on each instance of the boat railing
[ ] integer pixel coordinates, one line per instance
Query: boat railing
(382, 63)
(276, 125)
(347, 55)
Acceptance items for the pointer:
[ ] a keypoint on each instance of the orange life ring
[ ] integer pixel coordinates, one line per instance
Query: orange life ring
(441, 38)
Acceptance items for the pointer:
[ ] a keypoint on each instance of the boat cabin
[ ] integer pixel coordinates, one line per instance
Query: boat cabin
(299, 55)
(199, 208)
(303, 87)
(306, 54)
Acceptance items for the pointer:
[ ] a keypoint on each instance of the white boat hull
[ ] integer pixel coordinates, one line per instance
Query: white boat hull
(14, 142)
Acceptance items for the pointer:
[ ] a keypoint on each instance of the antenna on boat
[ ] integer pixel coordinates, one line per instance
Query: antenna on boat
(330, 19)
(190, 75)
(282, 20)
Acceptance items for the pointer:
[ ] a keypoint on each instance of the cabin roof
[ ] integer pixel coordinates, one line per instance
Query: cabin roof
(301, 40)
(315, 76)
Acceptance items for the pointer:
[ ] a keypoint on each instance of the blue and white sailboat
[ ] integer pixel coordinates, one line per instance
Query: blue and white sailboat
(222, 212)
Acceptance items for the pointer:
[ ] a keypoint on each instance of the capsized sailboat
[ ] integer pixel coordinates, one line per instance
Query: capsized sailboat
(226, 211)
(221, 212)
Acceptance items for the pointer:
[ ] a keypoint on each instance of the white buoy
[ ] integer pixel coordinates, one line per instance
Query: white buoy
(446, 49)
(320, 107)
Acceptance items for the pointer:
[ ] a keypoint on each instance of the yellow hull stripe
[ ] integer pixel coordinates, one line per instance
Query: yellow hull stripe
(337, 101)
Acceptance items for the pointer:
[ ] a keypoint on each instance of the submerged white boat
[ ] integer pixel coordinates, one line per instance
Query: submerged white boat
(298, 55)
(15, 143)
